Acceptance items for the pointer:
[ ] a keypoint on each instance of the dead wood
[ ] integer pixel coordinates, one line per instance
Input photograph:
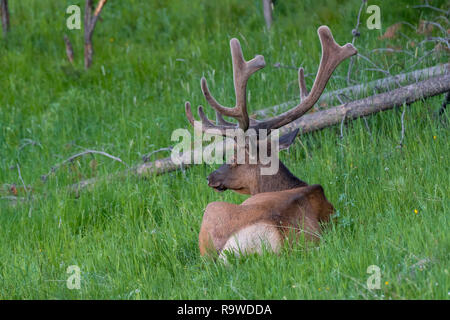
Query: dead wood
(318, 120)
(90, 20)
(361, 90)
(69, 48)
(267, 7)
(376, 103)
(5, 16)
(80, 154)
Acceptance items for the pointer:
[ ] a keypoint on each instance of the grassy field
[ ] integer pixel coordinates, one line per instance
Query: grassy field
(137, 238)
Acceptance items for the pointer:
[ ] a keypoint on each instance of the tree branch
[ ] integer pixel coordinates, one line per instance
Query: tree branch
(73, 157)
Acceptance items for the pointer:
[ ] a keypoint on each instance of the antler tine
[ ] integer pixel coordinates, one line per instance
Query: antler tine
(212, 102)
(188, 110)
(302, 84)
(207, 124)
(242, 70)
(222, 121)
(205, 121)
(332, 55)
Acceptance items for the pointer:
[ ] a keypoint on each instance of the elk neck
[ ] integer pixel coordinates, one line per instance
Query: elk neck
(282, 180)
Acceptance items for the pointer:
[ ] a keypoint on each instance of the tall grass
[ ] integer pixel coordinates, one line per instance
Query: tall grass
(134, 238)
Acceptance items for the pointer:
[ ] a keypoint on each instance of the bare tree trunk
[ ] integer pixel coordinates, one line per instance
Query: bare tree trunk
(69, 49)
(267, 6)
(5, 16)
(88, 52)
(90, 20)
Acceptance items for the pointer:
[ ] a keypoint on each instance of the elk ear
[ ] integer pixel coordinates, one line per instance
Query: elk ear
(288, 139)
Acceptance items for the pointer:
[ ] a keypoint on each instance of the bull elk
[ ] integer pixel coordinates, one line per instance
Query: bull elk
(280, 204)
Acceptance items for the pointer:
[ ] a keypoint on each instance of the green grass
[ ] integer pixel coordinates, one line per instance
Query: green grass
(137, 238)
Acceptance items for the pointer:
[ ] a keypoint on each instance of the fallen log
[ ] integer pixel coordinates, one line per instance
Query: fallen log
(157, 167)
(367, 106)
(325, 118)
(361, 90)
(317, 120)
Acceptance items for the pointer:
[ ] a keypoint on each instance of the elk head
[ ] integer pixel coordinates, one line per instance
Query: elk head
(245, 177)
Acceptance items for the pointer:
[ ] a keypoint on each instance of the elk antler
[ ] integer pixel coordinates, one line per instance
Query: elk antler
(332, 55)
(242, 70)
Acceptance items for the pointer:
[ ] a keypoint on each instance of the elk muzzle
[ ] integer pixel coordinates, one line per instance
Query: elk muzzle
(215, 181)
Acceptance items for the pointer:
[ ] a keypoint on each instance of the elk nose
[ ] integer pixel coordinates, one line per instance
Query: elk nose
(211, 182)
(208, 181)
